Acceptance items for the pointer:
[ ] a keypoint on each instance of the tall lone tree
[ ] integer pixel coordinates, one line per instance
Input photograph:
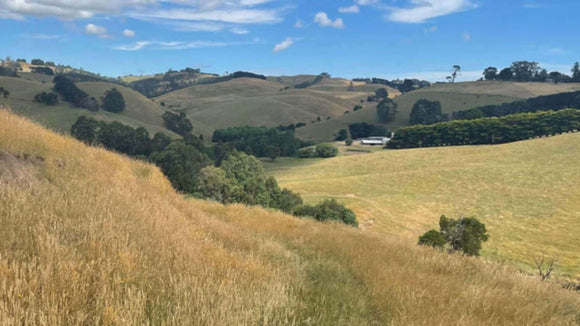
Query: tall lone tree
(455, 72)
(387, 110)
(113, 101)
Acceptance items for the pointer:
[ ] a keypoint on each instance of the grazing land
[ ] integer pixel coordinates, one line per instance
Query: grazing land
(526, 193)
(93, 237)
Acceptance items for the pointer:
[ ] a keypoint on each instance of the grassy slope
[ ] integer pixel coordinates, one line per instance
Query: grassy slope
(91, 237)
(526, 193)
(140, 111)
(255, 102)
(453, 97)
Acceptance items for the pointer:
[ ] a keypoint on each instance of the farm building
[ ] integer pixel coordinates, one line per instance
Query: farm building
(375, 141)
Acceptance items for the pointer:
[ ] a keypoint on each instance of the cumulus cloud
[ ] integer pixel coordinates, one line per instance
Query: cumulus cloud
(284, 45)
(423, 10)
(129, 33)
(323, 20)
(100, 31)
(354, 9)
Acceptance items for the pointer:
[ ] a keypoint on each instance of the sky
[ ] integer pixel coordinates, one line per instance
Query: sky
(346, 38)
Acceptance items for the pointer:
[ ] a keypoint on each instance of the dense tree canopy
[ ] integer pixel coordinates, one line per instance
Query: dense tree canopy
(46, 98)
(177, 122)
(328, 210)
(364, 130)
(465, 234)
(69, 91)
(426, 112)
(387, 110)
(113, 101)
(256, 140)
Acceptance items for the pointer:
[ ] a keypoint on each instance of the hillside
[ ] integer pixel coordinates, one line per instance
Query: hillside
(525, 192)
(140, 111)
(247, 101)
(91, 237)
(453, 97)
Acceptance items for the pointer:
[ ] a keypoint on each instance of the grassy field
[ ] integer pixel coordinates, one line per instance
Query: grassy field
(453, 97)
(91, 237)
(255, 102)
(526, 193)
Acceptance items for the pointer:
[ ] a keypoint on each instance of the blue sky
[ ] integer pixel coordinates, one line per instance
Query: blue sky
(347, 38)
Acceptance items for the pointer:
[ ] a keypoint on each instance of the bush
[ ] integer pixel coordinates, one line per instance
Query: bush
(307, 152)
(46, 98)
(328, 210)
(432, 238)
(341, 135)
(326, 150)
(348, 142)
(178, 123)
(113, 101)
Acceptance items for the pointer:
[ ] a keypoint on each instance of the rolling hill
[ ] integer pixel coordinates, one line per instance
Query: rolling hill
(247, 101)
(526, 193)
(453, 97)
(92, 237)
(140, 111)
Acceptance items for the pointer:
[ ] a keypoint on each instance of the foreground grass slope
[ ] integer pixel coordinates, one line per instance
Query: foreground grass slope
(526, 193)
(91, 237)
(453, 97)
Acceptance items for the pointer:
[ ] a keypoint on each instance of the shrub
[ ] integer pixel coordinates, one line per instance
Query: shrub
(328, 210)
(46, 98)
(432, 238)
(348, 142)
(326, 150)
(341, 135)
(307, 152)
(178, 123)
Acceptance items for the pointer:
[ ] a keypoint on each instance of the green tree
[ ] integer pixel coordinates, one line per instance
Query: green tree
(381, 93)
(490, 73)
(387, 110)
(177, 123)
(4, 92)
(348, 142)
(212, 183)
(46, 98)
(525, 71)
(506, 74)
(432, 238)
(307, 152)
(273, 152)
(341, 135)
(465, 234)
(426, 112)
(113, 101)
(37, 62)
(86, 130)
(326, 150)
(454, 73)
(329, 210)
(181, 164)
(576, 72)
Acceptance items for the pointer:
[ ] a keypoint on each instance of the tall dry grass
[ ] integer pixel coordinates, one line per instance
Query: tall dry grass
(91, 237)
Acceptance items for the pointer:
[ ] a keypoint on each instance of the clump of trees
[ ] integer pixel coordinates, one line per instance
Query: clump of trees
(387, 110)
(328, 210)
(341, 135)
(553, 102)
(72, 94)
(364, 130)
(487, 130)
(177, 122)
(426, 112)
(113, 101)
(530, 71)
(465, 234)
(256, 140)
(326, 150)
(403, 86)
(221, 174)
(48, 99)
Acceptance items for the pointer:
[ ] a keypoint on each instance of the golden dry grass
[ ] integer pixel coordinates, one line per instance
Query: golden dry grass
(100, 239)
(526, 193)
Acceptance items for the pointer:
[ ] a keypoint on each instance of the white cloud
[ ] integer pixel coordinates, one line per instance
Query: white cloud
(284, 45)
(299, 24)
(466, 36)
(366, 2)
(178, 45)
(235, 16)
(239, 31)
(323, 20)
(354, 9)
(100, 31)
(129, 33)
(423, 10)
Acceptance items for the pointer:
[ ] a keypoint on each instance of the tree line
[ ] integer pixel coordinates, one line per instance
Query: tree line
(530, 71)
(220, 173)
(487, 130)
(258, 141)
(553, 102)
(113, 100)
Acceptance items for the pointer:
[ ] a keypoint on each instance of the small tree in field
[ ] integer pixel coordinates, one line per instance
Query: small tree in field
(273, 152)
(465, 234)
(326, 150)
(545, 267)
(113, 101)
